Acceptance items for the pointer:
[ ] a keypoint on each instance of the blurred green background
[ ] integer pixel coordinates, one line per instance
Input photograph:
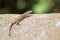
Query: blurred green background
(37, 6)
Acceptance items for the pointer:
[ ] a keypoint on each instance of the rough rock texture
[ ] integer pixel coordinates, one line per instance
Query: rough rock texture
(35, 27)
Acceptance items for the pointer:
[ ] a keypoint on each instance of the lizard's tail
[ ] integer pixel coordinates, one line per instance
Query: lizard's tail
(10, 29)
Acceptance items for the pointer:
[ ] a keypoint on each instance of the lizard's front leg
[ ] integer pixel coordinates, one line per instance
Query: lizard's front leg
(18, 19)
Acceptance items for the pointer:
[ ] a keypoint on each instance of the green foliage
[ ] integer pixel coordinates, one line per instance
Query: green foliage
(4, 11)
(37, 6)
(21, 4)
(42, 6)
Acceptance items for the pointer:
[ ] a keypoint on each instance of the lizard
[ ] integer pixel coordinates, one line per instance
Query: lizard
(18, 19)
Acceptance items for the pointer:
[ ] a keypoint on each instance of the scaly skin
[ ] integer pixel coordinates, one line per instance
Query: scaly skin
(18, 19)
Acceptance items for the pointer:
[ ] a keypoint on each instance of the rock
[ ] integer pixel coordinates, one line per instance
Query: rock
(35, 27)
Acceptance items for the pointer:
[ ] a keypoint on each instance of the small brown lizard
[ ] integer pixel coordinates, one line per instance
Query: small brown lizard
(18, 19)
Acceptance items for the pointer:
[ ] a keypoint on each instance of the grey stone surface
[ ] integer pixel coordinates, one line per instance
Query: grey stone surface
(35, 27)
